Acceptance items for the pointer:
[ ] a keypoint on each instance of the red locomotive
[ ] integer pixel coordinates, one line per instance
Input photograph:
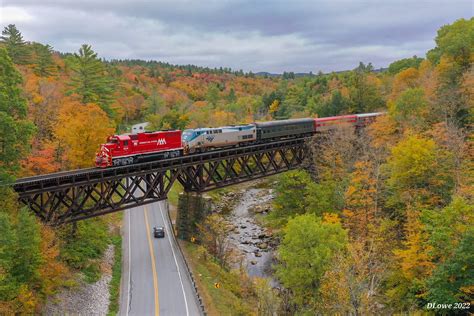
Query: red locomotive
(131, 148)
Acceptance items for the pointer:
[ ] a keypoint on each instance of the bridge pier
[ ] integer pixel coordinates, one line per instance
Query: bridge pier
(192, 209)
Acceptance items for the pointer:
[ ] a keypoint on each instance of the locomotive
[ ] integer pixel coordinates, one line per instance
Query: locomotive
(123, 150)
(127, 149)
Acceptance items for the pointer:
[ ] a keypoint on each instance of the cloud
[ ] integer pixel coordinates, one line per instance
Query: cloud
(14, 15)
(259, 35)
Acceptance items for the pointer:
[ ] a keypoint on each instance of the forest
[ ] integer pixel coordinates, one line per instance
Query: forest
(393, 204)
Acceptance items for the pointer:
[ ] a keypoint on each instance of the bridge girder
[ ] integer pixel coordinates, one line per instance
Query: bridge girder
(69, 197)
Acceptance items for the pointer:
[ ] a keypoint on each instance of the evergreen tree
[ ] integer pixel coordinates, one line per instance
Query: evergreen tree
(231, 98)
(90, 80)
(154, 103)
(364, 96)
(15, 45)
(28, 258)
(15, 129)
(44, 64)
(212, 95)
(452, 281)
(8, 284)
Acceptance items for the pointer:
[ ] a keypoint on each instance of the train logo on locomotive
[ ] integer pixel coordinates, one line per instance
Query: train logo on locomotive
(161, 141)
(210, 138)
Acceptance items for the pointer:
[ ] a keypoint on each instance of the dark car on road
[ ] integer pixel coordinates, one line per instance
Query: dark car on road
(159, 232)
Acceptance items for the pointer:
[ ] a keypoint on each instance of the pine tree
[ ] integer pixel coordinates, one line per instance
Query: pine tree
(15, 45)
(8, 284)
(44, 64)
(154, 103)
(90, 81)
(15, 129)
(28, 258)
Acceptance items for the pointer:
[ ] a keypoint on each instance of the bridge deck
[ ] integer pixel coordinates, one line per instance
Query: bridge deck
(78, 194)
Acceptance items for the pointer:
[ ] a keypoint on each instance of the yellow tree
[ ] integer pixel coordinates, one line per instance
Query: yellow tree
(406, 285)
(222, 118)
(418, 174)
(80, 131)
(405, 79)
(52, 271)
(360, 197)
(274, 107)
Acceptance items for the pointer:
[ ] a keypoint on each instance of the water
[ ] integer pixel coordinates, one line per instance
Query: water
(247, 235)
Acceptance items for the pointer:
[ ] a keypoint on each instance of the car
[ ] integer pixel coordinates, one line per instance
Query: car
(159, 232)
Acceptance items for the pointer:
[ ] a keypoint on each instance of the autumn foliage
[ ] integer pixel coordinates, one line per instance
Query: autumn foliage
(393, 202)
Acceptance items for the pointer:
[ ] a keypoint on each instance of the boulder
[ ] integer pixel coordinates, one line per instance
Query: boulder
(262, 245)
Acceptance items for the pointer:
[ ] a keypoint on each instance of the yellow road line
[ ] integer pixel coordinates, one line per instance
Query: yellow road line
(153, 265)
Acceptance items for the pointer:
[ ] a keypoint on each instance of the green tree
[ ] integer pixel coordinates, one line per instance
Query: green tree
(171, 120)
(405, 63)
(154, 103)
(411, 108)
(308, 247)
(291, 196)
(83, 249)
(446, 227)
(15, 45)
(456, 41)
(28, 258)
(15, 129)
(44, 63)
(324, 197)
(364, 95)
(212, 95)
(452, 281)
(8, 284)
(90, 80)
(231, 97)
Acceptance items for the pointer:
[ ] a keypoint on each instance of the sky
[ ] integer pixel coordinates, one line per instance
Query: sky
(257, 35)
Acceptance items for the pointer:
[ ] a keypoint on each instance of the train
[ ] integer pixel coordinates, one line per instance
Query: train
(120, 150)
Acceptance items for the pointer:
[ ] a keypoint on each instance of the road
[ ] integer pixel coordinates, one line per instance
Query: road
(154, 277)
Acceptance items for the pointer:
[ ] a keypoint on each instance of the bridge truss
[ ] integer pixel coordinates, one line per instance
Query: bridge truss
(75, 195)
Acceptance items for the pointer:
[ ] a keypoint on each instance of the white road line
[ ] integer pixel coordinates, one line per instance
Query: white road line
(174, 256)
(129, 262)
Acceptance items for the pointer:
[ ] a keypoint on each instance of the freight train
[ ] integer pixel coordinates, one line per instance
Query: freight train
(127, 149)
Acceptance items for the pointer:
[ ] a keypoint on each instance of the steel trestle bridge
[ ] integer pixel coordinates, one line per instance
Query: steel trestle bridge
(70, 196)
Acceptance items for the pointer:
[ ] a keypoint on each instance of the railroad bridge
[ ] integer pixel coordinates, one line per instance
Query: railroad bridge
(71, 196)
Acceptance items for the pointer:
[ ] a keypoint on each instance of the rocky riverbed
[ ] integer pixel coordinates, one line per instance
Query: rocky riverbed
(252, 241)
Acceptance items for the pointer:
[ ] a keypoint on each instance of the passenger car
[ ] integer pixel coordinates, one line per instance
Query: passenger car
(159, 232)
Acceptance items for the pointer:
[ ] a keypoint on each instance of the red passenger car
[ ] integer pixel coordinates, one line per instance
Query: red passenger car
(131, 148)
(327, 123)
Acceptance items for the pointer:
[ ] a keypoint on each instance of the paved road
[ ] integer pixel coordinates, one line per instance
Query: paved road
(154, 278)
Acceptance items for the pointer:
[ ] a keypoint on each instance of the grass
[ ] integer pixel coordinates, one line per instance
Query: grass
(114, 285)
(173, 194)
(231, 297)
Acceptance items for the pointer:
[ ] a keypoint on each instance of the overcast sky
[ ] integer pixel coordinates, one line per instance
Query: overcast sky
(258, 35)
